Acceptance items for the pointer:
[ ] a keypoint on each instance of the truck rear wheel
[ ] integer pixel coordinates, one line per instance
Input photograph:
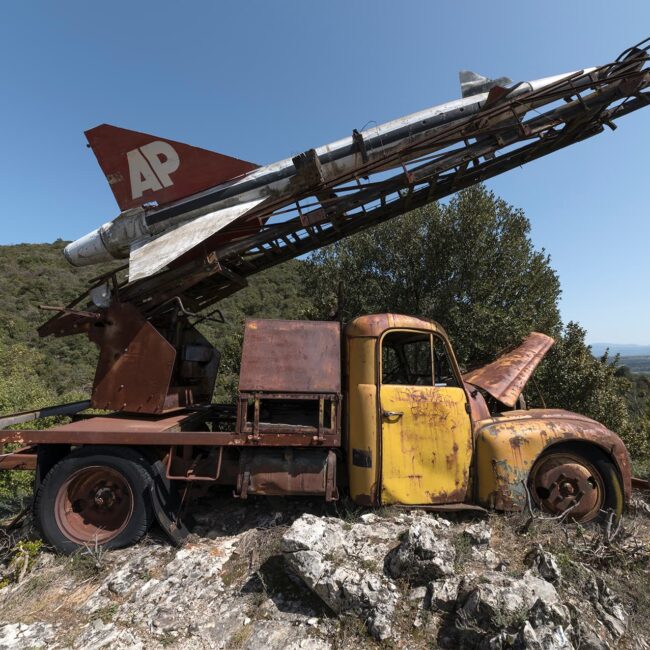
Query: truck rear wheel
(96, 495)
(579, 481)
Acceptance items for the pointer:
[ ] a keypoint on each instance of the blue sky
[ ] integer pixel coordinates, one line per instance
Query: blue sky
(264, 80)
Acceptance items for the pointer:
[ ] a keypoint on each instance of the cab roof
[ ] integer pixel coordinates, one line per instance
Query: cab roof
(376, 324)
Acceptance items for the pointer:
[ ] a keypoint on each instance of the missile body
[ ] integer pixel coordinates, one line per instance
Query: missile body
(199, 198)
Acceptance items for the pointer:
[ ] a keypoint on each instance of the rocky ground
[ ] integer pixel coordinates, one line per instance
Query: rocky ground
(294, 574)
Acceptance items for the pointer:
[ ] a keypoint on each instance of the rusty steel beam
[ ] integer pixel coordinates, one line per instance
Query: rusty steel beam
(24, 458)
(46, 412)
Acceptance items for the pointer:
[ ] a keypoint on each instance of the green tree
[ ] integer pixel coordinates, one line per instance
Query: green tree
(572, 378)
(470, 265)
(638, 438)
(20, 389)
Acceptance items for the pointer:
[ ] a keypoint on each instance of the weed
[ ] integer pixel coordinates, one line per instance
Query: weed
(641, 468)
(351, 631)
(167, 640)
(510, 620)
(234, 570)
(19, 559)
(348, 510)
(369, 564)
(106, 614)
(463, 547)
(239, 638)
(87, 563)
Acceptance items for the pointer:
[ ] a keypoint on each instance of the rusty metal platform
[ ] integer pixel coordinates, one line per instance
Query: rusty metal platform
(165, 430)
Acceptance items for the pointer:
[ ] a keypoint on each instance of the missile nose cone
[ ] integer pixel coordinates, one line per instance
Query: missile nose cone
(87, 250)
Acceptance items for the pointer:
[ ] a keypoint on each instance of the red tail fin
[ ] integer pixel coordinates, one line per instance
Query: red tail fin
(142, 168)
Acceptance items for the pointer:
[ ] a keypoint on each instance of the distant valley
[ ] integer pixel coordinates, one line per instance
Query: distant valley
(624, 349)
(635, 357)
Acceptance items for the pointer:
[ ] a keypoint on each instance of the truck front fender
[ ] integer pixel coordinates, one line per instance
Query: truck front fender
(508, 446)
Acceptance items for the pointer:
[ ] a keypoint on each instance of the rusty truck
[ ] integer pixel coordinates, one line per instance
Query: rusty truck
(378, 408)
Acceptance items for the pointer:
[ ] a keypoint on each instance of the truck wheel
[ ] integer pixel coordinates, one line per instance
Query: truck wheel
(96, 495)
(564, 476)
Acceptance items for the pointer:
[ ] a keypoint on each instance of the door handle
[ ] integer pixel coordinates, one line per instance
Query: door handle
(392, 414)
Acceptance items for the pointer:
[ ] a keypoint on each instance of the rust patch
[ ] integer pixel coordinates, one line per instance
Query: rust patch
(284, 356)
(550, 426)
(506, 377)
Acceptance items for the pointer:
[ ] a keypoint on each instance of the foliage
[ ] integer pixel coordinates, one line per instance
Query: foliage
(638, 400)
(20, 389)
(37, 274)
(33, 275)
(16, 559)
(470, 265)
(572, 378)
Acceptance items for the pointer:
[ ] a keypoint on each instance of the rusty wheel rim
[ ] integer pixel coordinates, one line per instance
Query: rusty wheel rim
(563, 481)
(94, 505)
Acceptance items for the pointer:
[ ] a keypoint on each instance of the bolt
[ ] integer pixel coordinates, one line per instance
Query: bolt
(567, 488)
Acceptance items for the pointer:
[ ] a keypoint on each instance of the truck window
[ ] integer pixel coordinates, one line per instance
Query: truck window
(443, 369)
(406, 359)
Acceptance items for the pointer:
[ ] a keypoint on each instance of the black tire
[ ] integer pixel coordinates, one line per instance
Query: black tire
(603, 476)
(95, 495)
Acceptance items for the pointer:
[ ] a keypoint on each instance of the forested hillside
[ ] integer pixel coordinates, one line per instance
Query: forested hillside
(38, 274)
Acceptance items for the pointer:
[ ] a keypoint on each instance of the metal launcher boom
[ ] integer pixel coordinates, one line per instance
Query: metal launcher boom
(152, 359)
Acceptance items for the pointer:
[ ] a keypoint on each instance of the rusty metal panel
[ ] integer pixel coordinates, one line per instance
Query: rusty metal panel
(640, 484)
(287, 471)
(506, 377)
(179, 428)
(315, 423)
(135, 363)
(291, 357)
(24, 458)
(478, 407)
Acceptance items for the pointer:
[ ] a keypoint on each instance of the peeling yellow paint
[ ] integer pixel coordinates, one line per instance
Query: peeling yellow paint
(427, 451)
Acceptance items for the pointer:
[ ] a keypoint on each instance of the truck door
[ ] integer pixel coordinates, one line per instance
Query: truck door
(426, 436)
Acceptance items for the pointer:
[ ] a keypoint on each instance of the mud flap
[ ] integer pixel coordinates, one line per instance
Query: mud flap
(166, 505)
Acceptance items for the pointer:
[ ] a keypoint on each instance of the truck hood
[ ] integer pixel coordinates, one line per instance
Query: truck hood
(506, 377)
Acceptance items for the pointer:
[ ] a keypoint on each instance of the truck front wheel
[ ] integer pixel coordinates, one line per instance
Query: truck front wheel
(96, 495)
(580, 482)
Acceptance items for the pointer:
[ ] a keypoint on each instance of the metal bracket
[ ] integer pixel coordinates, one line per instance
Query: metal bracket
(360, 145)
(309, 171)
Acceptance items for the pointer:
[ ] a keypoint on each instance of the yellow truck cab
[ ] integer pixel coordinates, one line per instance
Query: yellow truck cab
(420, 433)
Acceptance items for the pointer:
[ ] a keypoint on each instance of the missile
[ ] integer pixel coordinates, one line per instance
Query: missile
(177, 201)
